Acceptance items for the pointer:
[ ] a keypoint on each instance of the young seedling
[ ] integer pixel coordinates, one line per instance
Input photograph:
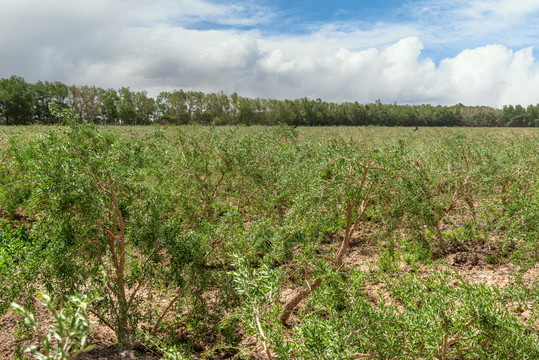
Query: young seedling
(68, 335)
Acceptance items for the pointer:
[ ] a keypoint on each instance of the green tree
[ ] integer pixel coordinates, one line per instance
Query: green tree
(145, 108)
(127, 111)
(172, 107)
(109, 107)
(16, 101)
(45, 94)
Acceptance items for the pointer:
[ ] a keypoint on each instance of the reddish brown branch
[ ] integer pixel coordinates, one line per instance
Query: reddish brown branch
(153, 331)
(294, 302)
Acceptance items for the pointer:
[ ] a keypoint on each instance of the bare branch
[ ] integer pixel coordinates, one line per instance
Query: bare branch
(362, 356)
(447, 342)
(294, 302)
(266, 349)
(153, 331)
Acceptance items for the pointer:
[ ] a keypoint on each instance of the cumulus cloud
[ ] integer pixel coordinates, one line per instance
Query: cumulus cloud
(491, 75)
(161, 45)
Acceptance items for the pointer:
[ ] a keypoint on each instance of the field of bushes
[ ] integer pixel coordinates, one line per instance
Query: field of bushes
(269, 242)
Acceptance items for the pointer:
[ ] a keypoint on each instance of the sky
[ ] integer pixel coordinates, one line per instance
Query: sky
(475, 52)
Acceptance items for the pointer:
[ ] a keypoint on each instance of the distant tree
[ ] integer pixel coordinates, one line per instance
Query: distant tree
(135, 107)
(217, 108)
(533, 115)
(16, 101)
(515, 116)
(45, 93)
(404, 115)
(483, 118)
(87, 103)
(377, 114)
(281, 112)
(172, 107)
(355, 114)
(196, 107)
(109, 107)
(443, 116)
(145, 108)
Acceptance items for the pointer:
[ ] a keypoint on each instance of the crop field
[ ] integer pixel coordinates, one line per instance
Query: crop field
(192, 242)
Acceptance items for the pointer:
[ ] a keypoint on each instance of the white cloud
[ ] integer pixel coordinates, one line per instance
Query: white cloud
(236, 53)
(452, 22)
(490, 75)
(155, 46)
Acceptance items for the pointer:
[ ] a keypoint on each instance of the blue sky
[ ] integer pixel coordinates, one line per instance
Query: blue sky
(302, 15)
(476, 52)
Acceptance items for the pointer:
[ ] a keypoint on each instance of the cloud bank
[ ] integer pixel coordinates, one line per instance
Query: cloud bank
(199, 45)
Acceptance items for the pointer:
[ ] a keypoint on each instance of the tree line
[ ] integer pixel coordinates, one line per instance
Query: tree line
(23, 103)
